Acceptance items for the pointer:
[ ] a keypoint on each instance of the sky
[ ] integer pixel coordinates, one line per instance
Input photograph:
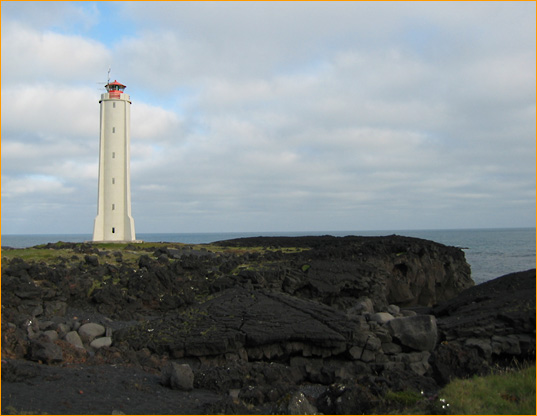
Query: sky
(273, 116)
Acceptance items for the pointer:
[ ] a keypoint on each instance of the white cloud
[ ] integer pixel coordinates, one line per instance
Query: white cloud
(33, 184)
(30, 55)
(50, 110)
(59, 14)
(285, 115)
(156, 124)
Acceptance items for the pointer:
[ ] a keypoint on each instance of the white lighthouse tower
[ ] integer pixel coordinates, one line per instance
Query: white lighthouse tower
(114, 221)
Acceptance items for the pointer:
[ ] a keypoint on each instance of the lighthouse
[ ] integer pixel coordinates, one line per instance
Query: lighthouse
(114, 220)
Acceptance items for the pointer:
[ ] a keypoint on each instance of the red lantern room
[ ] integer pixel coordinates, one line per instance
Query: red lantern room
(115, 89)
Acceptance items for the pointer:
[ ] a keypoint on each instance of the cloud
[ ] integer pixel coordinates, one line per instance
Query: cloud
(278, 116)
(58, 14)
(57, 110)
(30, 55)
(155, 124)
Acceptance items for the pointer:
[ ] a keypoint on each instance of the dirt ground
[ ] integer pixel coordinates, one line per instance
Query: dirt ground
(32, 388)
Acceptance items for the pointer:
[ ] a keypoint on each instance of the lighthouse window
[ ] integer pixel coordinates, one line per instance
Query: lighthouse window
(113, 155)
(113, 181)
(113, 230)
(113, 129)
(113, 207)
(114, 105)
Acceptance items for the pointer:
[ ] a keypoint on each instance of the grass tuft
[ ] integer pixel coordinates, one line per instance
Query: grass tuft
(509, 393)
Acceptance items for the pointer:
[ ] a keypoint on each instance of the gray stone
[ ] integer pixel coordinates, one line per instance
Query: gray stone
(45, 325)
(178, 376)
(32, 333)
(101, 342)
(383, 334)
(74, 339)
(420, 368)
(234, 394)
(381, 317)
(38, 310)
(63, 329)
(51, 335)
(482, 344)
(88, 332)
(526, 342)
(356, 352)
(364, 305)
(367, 356)
(362, 354)
(415, 357)
(505, 344)
(394, 309)
(373, 343)
(360, 338)
(391, 348)
(421, 365)
(91, 260)
(299, 405)
(416, 332)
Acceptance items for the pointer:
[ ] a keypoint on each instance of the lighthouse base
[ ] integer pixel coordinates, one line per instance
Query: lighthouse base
(115, 241)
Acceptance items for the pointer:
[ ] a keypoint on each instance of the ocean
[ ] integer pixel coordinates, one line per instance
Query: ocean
(490, 252)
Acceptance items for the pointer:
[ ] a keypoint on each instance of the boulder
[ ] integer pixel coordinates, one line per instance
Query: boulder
(381, 317)
(483, 345)
(494, 317)
(362, 354)
(299, 405)
(505, 344)
(364, 305)
(178, 376)
(417, 332)
(74, 339)
(394, 310)
(88, 332)
(101, 342)
(450, 361)
(51, 335)
(91, 260)
(391, 348)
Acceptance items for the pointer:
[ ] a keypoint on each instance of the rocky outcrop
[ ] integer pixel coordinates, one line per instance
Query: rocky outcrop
(394, 269)
(417, 332)
(259, 325)
(491, 322)
(271, 325)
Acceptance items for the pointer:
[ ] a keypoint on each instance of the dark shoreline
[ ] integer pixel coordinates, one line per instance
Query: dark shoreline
(259, 322)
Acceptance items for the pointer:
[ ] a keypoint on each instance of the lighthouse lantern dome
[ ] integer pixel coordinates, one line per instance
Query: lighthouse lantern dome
(115, 88)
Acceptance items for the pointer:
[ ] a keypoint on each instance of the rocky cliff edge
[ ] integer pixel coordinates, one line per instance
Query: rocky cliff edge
(269, 325)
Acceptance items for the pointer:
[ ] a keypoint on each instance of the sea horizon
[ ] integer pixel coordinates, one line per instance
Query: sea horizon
(388, 231)
(491, 252)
